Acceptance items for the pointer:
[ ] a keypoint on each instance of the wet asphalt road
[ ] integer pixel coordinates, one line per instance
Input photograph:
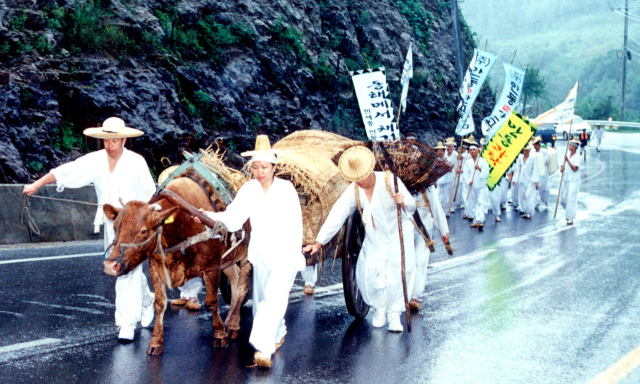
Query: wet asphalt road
(523, 302)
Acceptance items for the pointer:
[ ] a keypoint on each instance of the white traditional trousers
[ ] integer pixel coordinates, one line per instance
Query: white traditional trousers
(422, 263)
(132, 290)
(191, 288)
(543, 188)
(310, 275)
(495, 198)
(270, 300)
(444, 190)
(528, 195)
(569, 198)
(478, 203)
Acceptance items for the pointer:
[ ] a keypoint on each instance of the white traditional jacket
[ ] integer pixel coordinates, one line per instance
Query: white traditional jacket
(130, 179)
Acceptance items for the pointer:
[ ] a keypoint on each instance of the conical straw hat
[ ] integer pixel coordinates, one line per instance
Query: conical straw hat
(536, 139)
(575, 140)
(470, 140)
(356, 163)
(263, 147)
(450, 141)
(112, 128)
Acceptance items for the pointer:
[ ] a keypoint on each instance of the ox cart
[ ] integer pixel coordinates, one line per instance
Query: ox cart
(309, 162)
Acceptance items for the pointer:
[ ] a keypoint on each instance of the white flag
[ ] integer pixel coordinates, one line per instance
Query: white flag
(407, 74)
(372, 92)
(468, 127)
(474, 78)
(563, 113)
(511, 91)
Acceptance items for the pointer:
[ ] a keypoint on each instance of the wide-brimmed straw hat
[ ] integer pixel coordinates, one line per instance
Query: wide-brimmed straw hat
(450, 141)
(439, 146)
(575, 140)
(536, 139)
(470, 141)
(263, 148)
(528, 147)
(112, 128)
(356, 163)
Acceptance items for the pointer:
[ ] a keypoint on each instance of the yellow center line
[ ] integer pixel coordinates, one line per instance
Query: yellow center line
(620, 369)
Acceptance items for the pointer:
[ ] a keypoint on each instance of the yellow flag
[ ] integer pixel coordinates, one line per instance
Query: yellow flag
(505, 146)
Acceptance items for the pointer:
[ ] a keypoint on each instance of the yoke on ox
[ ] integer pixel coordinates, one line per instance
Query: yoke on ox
(163, 232)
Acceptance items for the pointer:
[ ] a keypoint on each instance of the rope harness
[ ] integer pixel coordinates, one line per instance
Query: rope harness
(25, 209)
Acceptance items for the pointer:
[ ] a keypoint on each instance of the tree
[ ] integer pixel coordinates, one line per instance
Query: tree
(535, 86)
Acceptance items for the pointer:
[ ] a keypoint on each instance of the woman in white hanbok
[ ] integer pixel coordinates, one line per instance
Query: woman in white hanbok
(275, 248)
(571, 181)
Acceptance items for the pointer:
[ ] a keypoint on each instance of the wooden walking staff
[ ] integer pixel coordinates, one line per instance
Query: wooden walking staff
(389, 162)
(564, 165)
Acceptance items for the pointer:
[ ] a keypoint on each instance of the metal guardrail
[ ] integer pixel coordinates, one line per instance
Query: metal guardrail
(613, 123)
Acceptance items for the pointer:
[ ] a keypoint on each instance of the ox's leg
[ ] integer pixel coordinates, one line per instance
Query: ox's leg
(232, 322)
(212, 282)
(157, 337)
(239, 292)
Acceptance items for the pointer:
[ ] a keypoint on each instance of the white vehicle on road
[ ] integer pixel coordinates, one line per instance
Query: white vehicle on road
(562, 128)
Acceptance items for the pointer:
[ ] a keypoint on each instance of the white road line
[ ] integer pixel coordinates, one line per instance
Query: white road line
(50, 258)
(334, 287)
(30, 344)
(12, 313)
(88, 310)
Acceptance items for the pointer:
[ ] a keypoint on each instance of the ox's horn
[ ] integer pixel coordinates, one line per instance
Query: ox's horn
(155, 207)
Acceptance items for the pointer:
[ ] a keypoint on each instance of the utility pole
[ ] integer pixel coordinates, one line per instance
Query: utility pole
(624, 55)
(457, 42)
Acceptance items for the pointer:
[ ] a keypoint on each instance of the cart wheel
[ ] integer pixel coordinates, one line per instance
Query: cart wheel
(225, 288)
(353, 238)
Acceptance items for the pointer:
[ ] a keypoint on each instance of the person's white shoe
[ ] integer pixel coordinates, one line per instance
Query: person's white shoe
(148, 312)
(394, 322)
(379, 320)
(127, 332)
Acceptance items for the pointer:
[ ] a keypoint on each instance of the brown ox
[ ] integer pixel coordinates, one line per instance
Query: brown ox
(137, 230)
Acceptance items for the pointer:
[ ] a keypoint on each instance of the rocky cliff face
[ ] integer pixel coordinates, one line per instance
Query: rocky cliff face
(190, 73)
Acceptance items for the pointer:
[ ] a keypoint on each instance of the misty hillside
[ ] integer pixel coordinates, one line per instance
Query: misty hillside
(568, 40)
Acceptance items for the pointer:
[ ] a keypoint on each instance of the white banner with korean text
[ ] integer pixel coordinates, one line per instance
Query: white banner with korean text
(372, 92)
(474, 78)
(511, 91)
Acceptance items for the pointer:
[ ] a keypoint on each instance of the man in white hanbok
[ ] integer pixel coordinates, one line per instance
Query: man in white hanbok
(431, 213)
(528, 182)
(543, 182)
(571, 181)
(118, 175)
(275, 248)
(598, 134)
(378, 272)
(515, 175)
(476, 171)
(445, 183)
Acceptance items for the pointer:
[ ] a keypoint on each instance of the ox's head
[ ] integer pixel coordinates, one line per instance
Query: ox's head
(136, 228)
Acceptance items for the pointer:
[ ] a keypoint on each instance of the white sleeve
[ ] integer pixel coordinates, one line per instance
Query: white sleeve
(409, 201)
(339, 213)
(535, 175)
(290, 223)
(484, 173)
(76, 174)
(237, 213)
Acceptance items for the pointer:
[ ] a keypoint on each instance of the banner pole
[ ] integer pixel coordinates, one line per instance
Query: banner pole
(566, 150)
(456, 179)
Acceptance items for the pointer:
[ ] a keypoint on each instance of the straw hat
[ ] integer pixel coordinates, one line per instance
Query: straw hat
(263, 147)
(575, 140)
(166, 173)
(536, 139)
(439, 146)
(450, 141)
(528, 147)
(470, 141)
(112, 128)
(356, 163)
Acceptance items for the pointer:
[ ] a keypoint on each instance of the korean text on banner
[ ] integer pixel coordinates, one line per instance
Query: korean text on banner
(375, 106)
(505, 146)
(511, 91)
(564, 112)
(474, 78)
(407, 74)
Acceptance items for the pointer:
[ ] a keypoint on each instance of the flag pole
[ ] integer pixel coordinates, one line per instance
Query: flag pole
(563, 168)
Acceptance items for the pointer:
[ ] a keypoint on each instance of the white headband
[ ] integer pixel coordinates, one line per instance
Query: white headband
(473, 147)
(267, 158)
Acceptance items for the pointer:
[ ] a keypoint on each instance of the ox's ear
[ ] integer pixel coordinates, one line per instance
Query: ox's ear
(111, 211)
(158, 218)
